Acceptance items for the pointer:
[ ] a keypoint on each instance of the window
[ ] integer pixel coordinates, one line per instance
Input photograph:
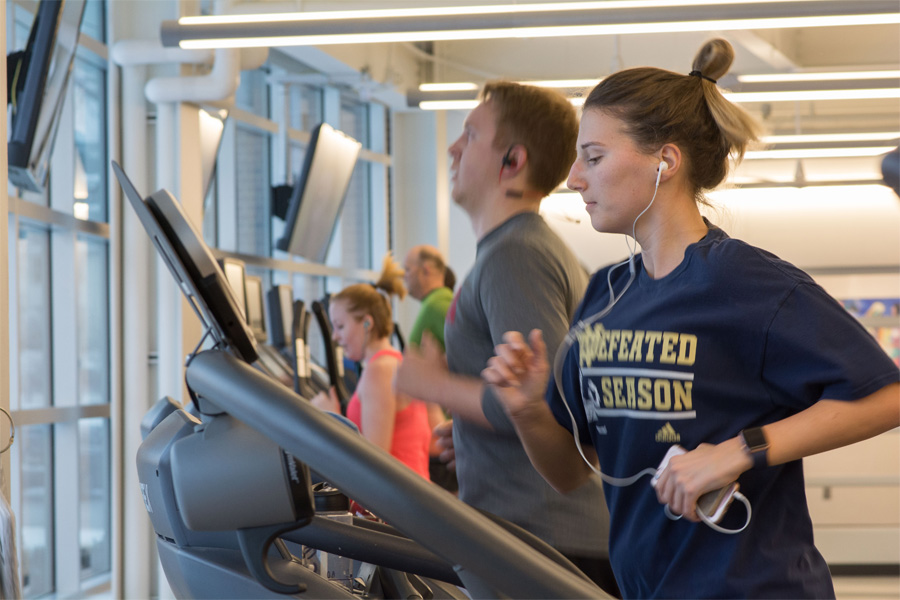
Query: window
(60, 369)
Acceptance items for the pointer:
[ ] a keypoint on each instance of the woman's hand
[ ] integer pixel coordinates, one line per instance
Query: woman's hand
(328, 402)
(518, 372)
(709, 467)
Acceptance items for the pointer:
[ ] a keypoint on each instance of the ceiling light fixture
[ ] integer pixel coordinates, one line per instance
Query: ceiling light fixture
(610, 17)
(809, 95)
(819, 138)
(448, 87)
(824, 76)
(816, 153)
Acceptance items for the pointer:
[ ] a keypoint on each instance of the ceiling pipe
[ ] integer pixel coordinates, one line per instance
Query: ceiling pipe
(219, 84)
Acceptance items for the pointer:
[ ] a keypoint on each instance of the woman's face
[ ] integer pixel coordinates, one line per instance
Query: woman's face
(348, 330)
(615, 179)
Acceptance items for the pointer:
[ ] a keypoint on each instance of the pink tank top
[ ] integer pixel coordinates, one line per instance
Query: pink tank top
(412, 434)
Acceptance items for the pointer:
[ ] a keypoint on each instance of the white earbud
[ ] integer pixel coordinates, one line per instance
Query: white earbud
(663, 165)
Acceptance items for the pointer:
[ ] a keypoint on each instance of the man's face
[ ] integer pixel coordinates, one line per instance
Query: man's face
(475, 166)
(413, 274)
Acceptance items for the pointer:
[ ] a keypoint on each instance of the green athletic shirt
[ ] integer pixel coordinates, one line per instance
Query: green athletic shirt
(431, 316)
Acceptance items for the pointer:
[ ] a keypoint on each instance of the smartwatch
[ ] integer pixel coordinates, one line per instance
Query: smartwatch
(756, 444)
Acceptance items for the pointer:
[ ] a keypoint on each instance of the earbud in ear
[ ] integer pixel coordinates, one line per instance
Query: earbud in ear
(366, 324)
(663, 165)
(507, 160)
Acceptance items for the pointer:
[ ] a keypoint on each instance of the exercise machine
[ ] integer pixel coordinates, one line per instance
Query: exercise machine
(227, 482)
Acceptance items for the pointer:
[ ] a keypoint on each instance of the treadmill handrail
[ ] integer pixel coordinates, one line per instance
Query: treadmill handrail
(417, 508)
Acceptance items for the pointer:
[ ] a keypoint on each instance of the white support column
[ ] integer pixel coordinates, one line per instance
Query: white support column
(168, 296)
(226, 205)
(379, 242)
(138, 560)
(442, 183)
(414, 191)
(331, 114)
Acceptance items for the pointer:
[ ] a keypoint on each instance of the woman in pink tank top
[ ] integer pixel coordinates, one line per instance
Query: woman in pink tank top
(362, 325)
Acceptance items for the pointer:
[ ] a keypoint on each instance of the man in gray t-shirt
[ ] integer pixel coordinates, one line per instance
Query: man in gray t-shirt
(516, 147)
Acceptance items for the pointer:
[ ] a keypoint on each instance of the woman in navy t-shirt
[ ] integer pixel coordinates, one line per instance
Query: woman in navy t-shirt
(700, 341)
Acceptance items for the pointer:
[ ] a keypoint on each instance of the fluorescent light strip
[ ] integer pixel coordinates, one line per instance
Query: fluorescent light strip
(541, 32)
(439, 11)
(469, 104)
(464, 86)
(448, 104)
(800, 96)
(813, 138)
(815, 153)
(790, 77)
(447, 87)
(564, 83)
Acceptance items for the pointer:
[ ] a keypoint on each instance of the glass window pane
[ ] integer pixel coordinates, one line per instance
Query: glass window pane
(356, 219)
(253, 193)
(94, 21)
(356, 223)
(355, 121)
(33, 247)
(309, 288)
(210, 214)
(94, 495)
(90, 141)
(92, 310)
(34, 448)
(253, 93)
(305, 107)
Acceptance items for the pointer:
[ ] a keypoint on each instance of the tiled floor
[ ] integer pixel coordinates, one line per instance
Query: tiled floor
(867, 588)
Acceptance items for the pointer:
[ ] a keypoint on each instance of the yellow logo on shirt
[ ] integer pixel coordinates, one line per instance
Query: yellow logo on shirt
(649, 385)
(668, 435)
(597, 344)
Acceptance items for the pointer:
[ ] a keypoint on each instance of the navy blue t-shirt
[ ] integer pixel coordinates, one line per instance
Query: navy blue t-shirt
(732, 338)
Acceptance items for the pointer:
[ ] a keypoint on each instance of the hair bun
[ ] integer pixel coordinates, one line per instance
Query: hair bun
(714, 58)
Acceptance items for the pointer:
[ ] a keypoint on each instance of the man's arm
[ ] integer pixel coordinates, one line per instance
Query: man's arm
(529, 291)
(423, 374)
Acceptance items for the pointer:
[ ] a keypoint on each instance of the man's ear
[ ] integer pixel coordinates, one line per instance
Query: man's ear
(514, 159)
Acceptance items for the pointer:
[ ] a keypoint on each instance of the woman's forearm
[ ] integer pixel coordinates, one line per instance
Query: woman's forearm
(831, 424)
(551, 448)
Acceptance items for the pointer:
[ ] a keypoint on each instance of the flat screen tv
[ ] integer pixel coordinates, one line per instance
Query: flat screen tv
(37, 89)
(235, 272)
(191, 262)
(256, 316)
(280, 302)
(319, 193)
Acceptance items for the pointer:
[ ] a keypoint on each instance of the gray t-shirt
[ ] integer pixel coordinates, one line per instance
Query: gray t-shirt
(524, 278)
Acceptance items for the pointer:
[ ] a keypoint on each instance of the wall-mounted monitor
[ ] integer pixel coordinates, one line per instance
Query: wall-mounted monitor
(256, 317)
(191, 262)
(234, 274)
(319, 193)
(212, 128)
(281, 313)
(37, 89)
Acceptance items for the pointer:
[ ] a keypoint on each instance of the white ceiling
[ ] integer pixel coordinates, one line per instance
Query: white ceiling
(401, 67)
(761, 51)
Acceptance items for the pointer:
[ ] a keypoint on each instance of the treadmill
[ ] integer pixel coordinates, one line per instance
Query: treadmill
(227, 486)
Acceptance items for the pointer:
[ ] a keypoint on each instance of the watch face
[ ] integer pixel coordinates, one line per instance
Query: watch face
(755, 439)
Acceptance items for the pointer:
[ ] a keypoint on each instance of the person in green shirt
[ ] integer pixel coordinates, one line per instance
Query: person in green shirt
(427, 277)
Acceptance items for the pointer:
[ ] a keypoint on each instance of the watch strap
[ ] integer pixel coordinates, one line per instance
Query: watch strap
(756, 445)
